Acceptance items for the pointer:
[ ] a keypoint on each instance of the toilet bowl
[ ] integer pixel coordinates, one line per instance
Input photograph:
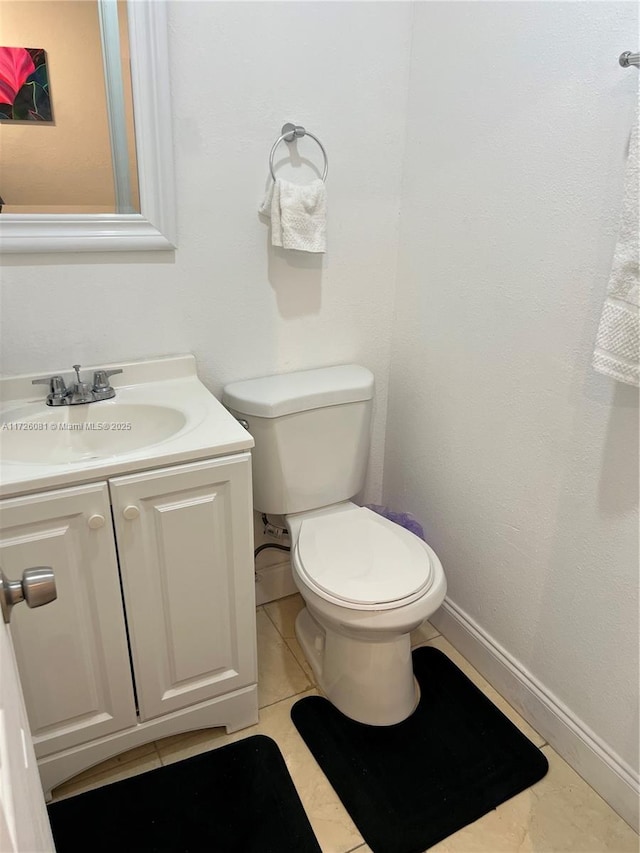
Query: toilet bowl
(366, 582)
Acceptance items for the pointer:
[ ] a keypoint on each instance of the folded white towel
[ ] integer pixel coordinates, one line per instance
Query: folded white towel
(617, 349)
(298, 215)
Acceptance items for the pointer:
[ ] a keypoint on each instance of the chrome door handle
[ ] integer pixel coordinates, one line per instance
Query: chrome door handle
(37, 587)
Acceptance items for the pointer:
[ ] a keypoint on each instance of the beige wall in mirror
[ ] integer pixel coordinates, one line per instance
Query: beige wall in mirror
(64, 166)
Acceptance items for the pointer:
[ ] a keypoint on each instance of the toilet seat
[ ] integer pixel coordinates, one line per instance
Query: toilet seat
(360, 560)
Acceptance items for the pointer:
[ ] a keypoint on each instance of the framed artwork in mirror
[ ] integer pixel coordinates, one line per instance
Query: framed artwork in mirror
(24, 84)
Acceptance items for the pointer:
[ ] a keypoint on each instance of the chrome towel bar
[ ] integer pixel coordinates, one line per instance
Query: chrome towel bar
(291, 132)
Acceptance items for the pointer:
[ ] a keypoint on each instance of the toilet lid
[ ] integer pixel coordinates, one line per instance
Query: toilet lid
(359, 558)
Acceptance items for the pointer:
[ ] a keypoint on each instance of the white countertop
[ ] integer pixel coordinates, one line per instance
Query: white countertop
(204, 427)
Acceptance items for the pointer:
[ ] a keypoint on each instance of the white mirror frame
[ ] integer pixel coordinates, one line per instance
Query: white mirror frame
(154, 227)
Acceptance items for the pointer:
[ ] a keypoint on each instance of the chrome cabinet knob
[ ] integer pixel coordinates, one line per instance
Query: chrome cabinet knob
(37, 587)
(131, 512)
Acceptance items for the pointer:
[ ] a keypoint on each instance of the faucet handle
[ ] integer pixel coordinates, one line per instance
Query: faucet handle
(57, 389)
(55, 383)
(102, 389)
(101, 379)
(50, 381)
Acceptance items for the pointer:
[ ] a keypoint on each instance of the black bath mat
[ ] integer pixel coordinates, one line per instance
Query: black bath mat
(409, 786)
(235, 799)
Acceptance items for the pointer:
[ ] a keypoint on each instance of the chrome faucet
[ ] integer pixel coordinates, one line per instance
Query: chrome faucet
(80, 392)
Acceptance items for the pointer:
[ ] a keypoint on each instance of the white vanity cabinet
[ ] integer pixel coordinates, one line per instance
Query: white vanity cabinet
(181, 534)
(153, 630)
(72, 656)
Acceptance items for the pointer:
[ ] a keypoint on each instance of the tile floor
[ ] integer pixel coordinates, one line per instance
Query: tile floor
(560, 813)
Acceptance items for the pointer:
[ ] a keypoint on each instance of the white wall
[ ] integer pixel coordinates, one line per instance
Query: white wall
(239, 71)
(521, 461)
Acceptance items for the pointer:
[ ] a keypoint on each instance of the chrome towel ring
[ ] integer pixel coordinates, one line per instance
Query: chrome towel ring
(295, 131)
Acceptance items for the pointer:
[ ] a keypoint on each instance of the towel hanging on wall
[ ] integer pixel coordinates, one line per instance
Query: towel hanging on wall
(617, 349)
(298, 213)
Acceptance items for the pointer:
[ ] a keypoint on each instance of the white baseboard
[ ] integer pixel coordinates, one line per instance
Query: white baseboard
(274, 582)
(589, 755)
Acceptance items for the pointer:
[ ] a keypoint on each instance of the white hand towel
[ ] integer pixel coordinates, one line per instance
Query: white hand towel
(617, 349)
(298, 215)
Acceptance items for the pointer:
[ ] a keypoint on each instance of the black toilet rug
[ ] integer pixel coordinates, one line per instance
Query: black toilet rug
(410, 785)
(235, 799)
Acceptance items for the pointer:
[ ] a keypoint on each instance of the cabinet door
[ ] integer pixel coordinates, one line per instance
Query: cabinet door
(185, 542)
(24, 824)
(72, 655)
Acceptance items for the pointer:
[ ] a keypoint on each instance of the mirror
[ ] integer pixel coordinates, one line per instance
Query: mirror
(67, 138)
(141, 213)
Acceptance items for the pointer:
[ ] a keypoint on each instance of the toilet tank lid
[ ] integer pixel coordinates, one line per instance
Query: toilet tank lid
(286, 393)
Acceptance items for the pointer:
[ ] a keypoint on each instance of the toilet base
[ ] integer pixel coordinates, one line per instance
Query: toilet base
(370, 681)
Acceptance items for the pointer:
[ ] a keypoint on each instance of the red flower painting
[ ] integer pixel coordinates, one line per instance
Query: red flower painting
(24, 84)
(16, 66)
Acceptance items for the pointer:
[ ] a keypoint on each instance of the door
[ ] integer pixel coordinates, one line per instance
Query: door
(72, 655)
(185, 543)
(24, 826)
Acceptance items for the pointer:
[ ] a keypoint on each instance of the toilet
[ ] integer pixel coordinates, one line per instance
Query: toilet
(366, 582)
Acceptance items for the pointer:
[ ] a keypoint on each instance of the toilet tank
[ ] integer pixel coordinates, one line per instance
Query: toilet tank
(311, 431)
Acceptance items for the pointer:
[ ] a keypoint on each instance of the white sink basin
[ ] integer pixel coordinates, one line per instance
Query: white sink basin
(66, 434)
(161, 415)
